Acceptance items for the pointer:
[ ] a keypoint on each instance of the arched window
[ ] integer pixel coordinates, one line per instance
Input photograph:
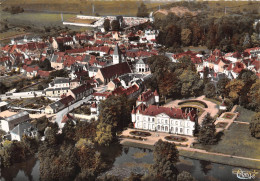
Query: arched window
(172, 129)
(180, 130)
(162, 128)
(176, 130)
(166, 128)
(158, 127)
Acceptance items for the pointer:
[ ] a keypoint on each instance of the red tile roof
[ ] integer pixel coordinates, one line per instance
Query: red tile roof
(176, 113)
(115, 70)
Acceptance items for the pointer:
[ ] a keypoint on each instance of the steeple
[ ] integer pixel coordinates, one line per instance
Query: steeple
(117, 55)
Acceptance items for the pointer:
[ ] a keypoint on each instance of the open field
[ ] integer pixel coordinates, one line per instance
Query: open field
(236, 141)
(77, 20)
(128, 7)
(245, 115)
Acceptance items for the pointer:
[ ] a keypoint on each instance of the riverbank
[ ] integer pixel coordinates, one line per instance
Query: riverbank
(232, 161)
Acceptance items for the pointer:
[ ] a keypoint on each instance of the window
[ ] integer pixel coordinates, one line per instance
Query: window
(144, 125)
(149, 119)
(180, 130)
(166, 128)
(188, 131)
(176, 122)
(153, 119)
(158, 127)
(166, 121)
(162, 128)
(176, 130)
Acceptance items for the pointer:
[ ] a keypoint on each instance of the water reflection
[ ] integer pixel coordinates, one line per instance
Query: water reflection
(122, 161)
(28, 170)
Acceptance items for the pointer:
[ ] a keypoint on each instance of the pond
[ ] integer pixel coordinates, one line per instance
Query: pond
(134, 160)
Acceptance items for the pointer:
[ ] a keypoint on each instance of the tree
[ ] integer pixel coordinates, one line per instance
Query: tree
(115, 25)
(115, 111)
(191, 84)
(185, 176)
(255, 125)
(221, 87)
(45, 65)
(106, 24)
(234, 88)
(3, 88)
(254, 96)
(207, 131)
(210, 90)
(186, 35)
(142, 11)
(104, 133)
(165, 156)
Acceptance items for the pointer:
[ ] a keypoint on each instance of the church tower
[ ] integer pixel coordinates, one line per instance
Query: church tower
(117, 55)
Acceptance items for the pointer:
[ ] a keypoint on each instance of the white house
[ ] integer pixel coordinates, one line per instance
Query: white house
(142, 66)
(23, 129)
(164, 119)
(8, 123)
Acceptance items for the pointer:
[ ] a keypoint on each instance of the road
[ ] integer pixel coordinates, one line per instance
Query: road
(65, 111)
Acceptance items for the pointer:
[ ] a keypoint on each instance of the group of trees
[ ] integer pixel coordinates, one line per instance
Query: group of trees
(228, 33)
(14, 152)
(72, 154)
(114, 115)
(14, 9)
(166, 156)
(174, 80)
(114, 25)
(45, 65)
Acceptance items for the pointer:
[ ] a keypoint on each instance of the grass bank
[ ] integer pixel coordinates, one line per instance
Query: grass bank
(203, 156)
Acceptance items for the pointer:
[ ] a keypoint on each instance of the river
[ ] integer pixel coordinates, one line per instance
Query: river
(134, 160)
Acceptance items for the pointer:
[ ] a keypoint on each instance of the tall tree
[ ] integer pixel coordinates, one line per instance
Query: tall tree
(234, 88)
(166, 156)
(192, 85)
(221, 87)
(106, 24)
(142, 11)
(207, 133)
(254, 96)
(115, 25)
(210, 90)
(255, 125)
(186, 35)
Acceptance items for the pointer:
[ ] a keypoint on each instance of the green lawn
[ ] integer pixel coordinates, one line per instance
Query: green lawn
(213, 100)
(192, 103)
(236, 141)
(245, 115)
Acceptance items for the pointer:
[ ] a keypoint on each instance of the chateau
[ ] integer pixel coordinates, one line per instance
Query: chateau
(164, 119)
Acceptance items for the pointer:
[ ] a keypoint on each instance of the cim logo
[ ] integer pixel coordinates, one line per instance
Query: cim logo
(245, 174)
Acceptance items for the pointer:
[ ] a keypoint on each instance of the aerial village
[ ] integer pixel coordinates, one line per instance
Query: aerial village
(68, 77)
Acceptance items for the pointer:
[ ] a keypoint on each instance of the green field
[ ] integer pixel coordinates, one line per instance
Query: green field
(128, 7)
(245, 115)
(236, 141)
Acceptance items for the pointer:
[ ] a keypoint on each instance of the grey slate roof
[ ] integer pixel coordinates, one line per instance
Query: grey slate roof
(19, 129)
(61, 80)
(16, 116)
(56, 105)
